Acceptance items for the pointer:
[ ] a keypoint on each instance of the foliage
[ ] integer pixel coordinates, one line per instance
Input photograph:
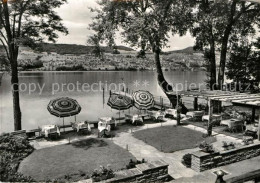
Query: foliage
(97, 50)
(26, 22)
(206, 147)
(4, 62)
(13, 149)
(210, 65)
(133, 163)
(141, 54)
(34, 65)
(73, 68)
(75, 49)
(186, 160)
(144, 24)
(116, 52)
(228, 146)
(243, 67)
(145, 21)
(247, 140)
(222, 23)
(80, 175)
(38, 19)
(102, 174)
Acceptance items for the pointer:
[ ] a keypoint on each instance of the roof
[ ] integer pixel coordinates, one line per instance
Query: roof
(226, 96)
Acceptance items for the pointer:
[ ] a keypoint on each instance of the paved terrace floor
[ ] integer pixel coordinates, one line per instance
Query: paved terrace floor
(177, 170)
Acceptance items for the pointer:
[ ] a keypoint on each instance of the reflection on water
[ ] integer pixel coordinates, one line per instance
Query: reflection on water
(38, 88)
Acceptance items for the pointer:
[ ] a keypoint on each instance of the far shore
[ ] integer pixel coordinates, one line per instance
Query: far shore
(109, 71)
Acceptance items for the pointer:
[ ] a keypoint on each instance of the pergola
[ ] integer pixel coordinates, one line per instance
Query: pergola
(236, 98)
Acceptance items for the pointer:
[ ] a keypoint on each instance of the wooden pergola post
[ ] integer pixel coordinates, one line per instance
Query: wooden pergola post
(195, 104)
(259, 127)
(210, 104)
(253, 115)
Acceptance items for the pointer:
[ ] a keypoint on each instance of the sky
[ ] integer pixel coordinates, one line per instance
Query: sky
(76, 17)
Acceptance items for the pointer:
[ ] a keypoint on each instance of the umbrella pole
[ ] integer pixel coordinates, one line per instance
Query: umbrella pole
(75, 118)
(63, 126)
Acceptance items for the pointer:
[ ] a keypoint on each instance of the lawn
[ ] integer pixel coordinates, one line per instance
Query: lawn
(83, 156)
(217, 129)
(169, 138)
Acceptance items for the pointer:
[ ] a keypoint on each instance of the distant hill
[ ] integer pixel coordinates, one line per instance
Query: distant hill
(72, 48)
(76, 49)
(188, 50)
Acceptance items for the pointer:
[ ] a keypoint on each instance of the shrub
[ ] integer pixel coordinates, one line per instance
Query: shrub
(186, 160)
(102, 174)
(34, 65)
(206, 147)
(73, 68)
(13, 149)
(132, 163)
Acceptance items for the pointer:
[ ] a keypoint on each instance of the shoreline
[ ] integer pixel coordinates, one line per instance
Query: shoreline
(110, 71)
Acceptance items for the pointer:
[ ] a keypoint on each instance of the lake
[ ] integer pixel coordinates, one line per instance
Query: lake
(38, 88)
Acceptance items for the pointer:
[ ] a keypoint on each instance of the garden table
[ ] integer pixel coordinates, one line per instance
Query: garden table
(134, 118)
(233, 124)
(82, 125)
(156, 114)
(171, 112)
(106, 123)
(50, 129)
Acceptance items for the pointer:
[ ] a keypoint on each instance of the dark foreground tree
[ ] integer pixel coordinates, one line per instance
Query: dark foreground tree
(144, 24)
(239, 20)
(218, 25)
(243, 67)
(26, 22)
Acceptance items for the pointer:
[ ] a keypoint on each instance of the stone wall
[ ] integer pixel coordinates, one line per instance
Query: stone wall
(201, 161)
(156, 171)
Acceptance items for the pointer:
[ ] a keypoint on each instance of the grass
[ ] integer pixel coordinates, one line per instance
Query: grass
(170, 139)
(77, 158)
(218, 129)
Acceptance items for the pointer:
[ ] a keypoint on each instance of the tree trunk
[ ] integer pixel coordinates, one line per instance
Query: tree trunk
(224, 45)
(15, 91)
(223, 57)
(213, 77)
(166, 87)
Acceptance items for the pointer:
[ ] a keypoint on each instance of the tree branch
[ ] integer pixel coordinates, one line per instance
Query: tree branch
(2, 34)
(6, 50)
(14, 25)
(7, 21)
(1, 18)
(23, 8)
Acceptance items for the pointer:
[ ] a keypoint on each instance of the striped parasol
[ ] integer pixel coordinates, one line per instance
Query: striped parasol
(120, 102)
(143, 100)
(64, 107)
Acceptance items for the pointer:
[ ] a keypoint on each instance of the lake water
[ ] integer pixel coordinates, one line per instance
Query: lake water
(38, 88)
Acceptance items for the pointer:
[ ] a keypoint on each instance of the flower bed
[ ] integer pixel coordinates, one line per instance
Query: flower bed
(203, 161)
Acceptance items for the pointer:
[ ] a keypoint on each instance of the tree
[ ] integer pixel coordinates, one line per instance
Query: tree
(239, 20)
(146, 22)
(243, 67)
(219, 24)
(97, 50)
(26, 22)
(206, 18)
